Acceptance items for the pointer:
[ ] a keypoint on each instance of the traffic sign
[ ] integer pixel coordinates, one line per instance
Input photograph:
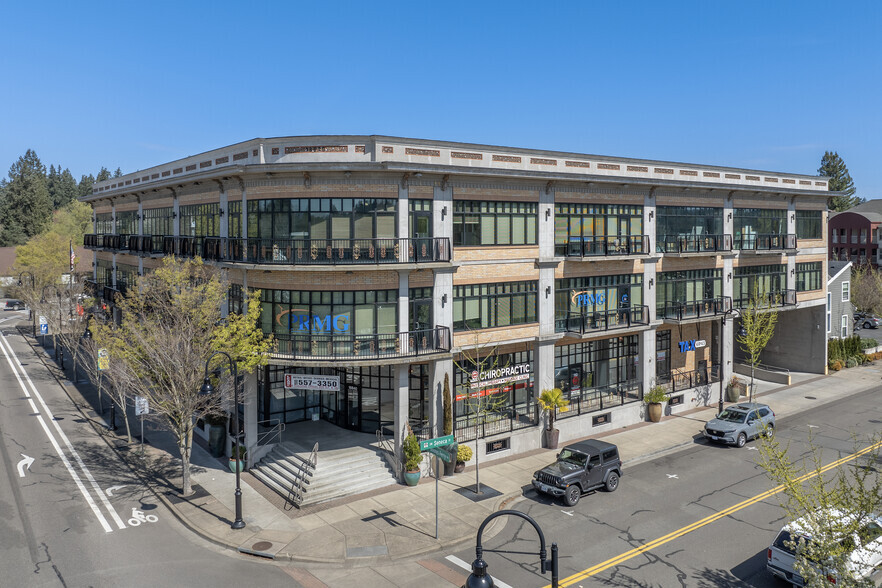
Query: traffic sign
(436, 442)
(446, 453)
(44, 325)
(141, 406)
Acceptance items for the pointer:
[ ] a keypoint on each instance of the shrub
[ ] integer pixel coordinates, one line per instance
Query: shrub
(412, 455)
(835, 365)
(463, 453)
(656, 395)
(851, 362)
(867, 343)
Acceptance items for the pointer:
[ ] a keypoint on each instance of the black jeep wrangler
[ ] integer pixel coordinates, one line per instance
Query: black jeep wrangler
(581, 467)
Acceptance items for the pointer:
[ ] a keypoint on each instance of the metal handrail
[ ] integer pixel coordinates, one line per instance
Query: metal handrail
(766, 242)
(386, 445)
(274, 430)
(298, 486)
(695, 309)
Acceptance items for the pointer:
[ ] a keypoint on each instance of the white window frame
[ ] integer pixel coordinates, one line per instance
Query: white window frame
(843, 332)
(846, 294)
(829, 311)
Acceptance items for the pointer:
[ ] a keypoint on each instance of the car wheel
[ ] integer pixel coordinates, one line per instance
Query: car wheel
(867, 325)
(612, 482)
(572, 495)
(770, 430)
(741, 440)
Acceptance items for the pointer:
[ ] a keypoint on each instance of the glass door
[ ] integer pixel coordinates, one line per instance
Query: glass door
(421, 233)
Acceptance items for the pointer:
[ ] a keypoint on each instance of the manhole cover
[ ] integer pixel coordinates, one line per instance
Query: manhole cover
(261, 545)
(810, 398)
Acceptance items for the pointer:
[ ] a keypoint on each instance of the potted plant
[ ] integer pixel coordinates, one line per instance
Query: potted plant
(734, 389)
(463, 454)
(551, 401)
(654, 398)
(240, 462)
(217, 433)
(412, 459)
(448, 420)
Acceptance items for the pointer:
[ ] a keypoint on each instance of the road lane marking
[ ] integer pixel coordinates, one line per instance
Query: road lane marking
(24, 464)
(10, 353)
(614, 561)
(455, 560)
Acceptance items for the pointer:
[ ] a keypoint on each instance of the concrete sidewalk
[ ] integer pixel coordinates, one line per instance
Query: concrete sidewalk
(399, 523)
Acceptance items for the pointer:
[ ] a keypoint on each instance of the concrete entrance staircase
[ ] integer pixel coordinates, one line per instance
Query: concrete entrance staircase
(338, 473)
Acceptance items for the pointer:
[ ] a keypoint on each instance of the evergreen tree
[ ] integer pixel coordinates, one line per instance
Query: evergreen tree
(833, 167)
(84, 188)
(25, 209)
(117, 173)
(66, 190)
(52, 182)
(103, 175)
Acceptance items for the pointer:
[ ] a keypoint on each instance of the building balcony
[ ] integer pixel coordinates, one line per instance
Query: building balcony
(288, 252)
(607, 320)
(693, 244)
(146, 244)
(774, 299)
(604, 246)
(696, 309)
(772, 242)
(319, 347)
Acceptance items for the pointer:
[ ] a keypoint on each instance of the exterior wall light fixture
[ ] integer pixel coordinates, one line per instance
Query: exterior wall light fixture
(651, 282)
(792, 216)
(729, 216)
(220, 211)
(443, 212)
(547, 291)
(547, 213)
(443, 299)
(729, 277)
(651, 214)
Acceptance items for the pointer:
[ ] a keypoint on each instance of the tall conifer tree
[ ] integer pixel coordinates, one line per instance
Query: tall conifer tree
(833, 167)
(25, 208)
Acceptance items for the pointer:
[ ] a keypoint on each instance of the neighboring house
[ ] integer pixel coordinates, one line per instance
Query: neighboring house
(840, 311)
(855, 233)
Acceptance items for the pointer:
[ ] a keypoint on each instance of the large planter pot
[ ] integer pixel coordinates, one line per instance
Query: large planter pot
(412, 478)
(654, 409)
(550, 438)
(449, 467)
(217, 439)
(237, 463)
(459, 467)
(733, 393)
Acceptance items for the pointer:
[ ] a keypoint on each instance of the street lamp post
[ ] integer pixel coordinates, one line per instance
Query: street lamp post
(30, 310)
(479, 578)
(725, 315)
(206, 389)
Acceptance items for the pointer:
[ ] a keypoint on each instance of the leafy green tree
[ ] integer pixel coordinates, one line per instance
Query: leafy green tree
(866, 289)
(73, 221)
(171, 324)
(47, 256)
(758, 325)
(833, 167)
(25, 208)
(834, 505)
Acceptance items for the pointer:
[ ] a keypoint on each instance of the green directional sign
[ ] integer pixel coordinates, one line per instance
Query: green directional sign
(447, 453)
(436, 442)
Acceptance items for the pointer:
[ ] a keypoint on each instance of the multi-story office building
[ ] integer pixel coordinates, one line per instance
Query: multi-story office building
(855, 234)
(388, 262)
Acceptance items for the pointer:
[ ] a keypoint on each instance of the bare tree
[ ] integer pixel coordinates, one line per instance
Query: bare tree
(866, 289)
(171, 324)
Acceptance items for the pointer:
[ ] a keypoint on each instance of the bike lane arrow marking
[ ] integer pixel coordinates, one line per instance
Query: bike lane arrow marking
(110, 490)
(24, 464)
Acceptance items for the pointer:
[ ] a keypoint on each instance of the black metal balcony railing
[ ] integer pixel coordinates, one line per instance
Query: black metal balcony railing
(468, 427)
(600, 398)
(327, 251)
(693, 243)
(772, 242)
(147, 244)
(604, 245)
(694, 309)
(109, 293)
(679, 380)
(182, 246)
(91, 288)
(772, 299)
(354, 347)
(606, 320)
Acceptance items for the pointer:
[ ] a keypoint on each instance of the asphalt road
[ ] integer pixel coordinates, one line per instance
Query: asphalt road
(673, 503)
(71, 511)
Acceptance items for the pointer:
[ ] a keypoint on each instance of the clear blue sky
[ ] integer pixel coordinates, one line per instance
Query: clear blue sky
(765, 85)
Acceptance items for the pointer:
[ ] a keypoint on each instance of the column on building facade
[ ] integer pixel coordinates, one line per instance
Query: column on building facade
(140, 232)
(176, 215)
(442, 302)
(727, 332)
(646, 364)
(543, 353)
(249, 401)
(791, 257)
(224, 210)
(401, 386)
(244, 223)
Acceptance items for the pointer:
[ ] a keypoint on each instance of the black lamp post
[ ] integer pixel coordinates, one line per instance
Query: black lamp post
(30, 310)
(725, 315)
(479, 578)
(206, 389)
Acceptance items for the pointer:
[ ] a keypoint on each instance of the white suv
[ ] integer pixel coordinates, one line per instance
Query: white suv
(864, 547)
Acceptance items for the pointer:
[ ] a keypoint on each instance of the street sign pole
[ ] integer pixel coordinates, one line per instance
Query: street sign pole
(437, 475)
(443, 448)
